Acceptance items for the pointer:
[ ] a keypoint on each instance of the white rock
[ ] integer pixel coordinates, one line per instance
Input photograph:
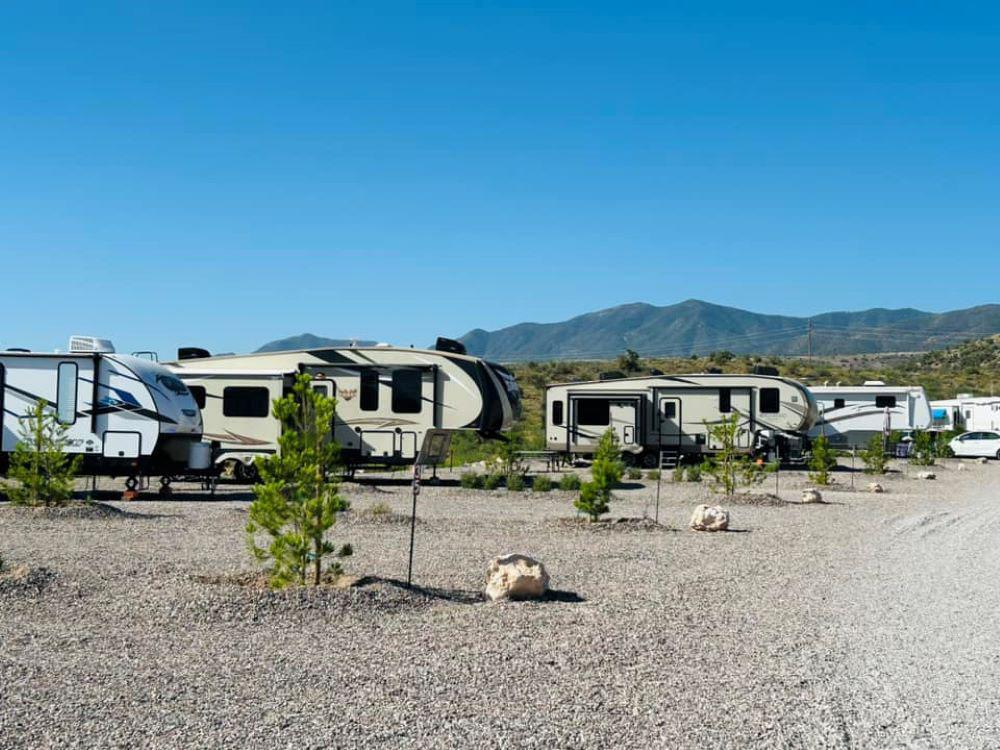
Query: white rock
(962, 467)
(516, 577)
(709, 518)
(812, 496)
(983, 460)
(927, 475)
(876, 488)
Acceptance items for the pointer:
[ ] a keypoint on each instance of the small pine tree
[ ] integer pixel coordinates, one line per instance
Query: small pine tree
(873, 456)
(606, 471)
(924, 449)
(297, 502)
(822, 460)
(43, 471)
(729, 468)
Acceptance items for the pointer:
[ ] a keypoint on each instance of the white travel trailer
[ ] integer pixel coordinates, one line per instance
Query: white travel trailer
(127, 416)
(966, 413)
(671, 414)
(388, 399)
(851, 415)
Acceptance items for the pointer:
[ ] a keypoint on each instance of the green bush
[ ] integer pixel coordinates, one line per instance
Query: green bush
(873, 456)
(542, 484)
(492, 481)
(922, 452)
(570, 482)
(470, 480)
(693, 473)
(678, 473)
(823, 459)
(606, 471)
(515, 483)
(633, 473)
(654, 474)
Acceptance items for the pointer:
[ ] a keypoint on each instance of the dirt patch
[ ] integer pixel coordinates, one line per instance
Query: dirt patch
(24, 580)
(613, 524)
(377, 514)
(755, 498)
(70, 510)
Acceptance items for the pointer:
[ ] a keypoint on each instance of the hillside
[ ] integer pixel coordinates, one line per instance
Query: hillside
(309, 341)
(696, 327)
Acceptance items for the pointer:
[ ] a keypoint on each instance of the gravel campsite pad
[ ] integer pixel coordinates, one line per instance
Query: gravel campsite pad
(864, 621)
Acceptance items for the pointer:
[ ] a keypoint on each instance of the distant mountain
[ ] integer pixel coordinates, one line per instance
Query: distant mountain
(309, 341)
(696, 327)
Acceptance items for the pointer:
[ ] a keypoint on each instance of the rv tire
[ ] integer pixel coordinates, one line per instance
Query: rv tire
(649, 459)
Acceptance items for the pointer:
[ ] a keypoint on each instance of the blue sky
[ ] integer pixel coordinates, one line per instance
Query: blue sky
(222, 174)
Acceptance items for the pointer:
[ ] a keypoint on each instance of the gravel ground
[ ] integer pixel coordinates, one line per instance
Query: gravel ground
(864, 622)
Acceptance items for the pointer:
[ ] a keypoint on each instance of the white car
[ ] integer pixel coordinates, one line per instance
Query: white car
(977, 444)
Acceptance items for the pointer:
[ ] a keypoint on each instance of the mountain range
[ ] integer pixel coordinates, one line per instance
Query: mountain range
(697, 327)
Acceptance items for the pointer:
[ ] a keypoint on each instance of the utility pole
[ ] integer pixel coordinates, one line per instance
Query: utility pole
(810, 340)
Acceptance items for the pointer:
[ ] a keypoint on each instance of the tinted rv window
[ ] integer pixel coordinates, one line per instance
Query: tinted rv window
(593, 411)
(245, 401)
(66, 393)
(669, 409)
(885, 402)
(198, 391)
(725, 400)
(369, 390)
(839, 403)
(770, 401)
(557, 412)
(406, 391)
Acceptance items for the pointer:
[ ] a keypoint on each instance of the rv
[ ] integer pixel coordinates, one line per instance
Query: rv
(966, 413)
(851, 415)
(671, 414)
(126, 416)
(389, 400)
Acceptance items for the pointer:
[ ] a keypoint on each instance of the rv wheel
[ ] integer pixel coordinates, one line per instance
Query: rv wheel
(131, 483)
(229, 469)
(165, 490)
(246, 474)
(649, 460)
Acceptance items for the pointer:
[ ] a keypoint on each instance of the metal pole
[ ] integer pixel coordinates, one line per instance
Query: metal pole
(659, 478)
(854, 456)
(413, 523)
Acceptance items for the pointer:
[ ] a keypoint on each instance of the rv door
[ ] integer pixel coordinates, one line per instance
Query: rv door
(669, 417)
(624, 420)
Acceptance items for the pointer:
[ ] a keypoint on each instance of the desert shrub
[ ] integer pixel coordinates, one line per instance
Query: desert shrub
(470, 480)
(42, 471)
(693, 473)
(542, 483)
(297, 502)
(654, 474)
(633, 473)
(678, 473)
(515, 483)
(822, 459)
(941, 444)
(569, 482)
(606, 470)
(873, 456)
(922, 452)
(492, 481)
(380, 511)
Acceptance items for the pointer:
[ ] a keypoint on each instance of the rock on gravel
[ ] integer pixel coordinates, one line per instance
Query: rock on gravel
(709, 518)
(812, 496)
(516, 577)
(876, 488)
(926, 475)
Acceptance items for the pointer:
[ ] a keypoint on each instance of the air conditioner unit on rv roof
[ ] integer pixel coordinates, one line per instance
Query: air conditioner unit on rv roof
(90, 345)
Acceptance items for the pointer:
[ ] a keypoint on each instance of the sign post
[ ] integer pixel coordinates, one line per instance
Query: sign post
(435, 448)
(413, 522)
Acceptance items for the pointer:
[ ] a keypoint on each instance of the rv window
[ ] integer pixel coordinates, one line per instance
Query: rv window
(406, 396)
(839, 403)
(369, 390)
(66, 393)
(198, 391)
(670, 410)
(245, 401)
(593, 411)
(770, 401)
(885, 402)
(725, 400)
(557, 412)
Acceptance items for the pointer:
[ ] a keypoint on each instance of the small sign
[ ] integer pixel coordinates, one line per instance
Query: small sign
(435, 448)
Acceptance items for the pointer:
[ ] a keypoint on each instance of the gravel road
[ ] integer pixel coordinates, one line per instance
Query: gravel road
(863, 622)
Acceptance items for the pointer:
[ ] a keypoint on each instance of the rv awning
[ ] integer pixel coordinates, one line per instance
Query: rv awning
(939, 413)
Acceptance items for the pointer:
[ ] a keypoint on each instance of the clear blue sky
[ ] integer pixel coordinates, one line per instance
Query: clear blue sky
(222, 174)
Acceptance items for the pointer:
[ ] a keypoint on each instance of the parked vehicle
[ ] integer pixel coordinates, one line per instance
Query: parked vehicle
(966, 413)
(671, 415)
(977, 444)
(849, 416)
(127, 416)
(388, 399)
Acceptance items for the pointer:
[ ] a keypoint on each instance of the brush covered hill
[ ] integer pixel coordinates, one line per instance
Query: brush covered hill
(309, 341)
(696, 327)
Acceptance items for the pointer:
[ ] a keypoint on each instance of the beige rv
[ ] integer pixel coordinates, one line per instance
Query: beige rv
(388, 399)
(670, 414)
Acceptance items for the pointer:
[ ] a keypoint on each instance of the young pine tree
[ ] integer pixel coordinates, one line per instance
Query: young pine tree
(43, 471)
(823, 459)
(873, 456)
(297, 502)
(606, 471)
(729, 468)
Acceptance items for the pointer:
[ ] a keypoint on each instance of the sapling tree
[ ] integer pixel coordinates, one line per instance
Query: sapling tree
(873, 455)
(822, 459)
(297, 501)
(729, 468)
(41, 468)
(606, 470)
(924, 449)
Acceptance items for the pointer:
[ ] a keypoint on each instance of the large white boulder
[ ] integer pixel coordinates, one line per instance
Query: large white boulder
(710, 518)
(516, 577)
(812, 496)
(876, 488)
(927, 475)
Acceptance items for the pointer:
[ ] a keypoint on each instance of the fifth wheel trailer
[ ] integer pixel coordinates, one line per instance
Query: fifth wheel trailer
(126, 416)
(672, 414)
(850, 415)
(966, 413)
(388, 399)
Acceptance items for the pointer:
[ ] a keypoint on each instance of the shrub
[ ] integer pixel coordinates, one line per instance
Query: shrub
(822, 459)
(542, 484)
(678, 473)
(492, 481)
(515, 483)
(470, 480)
(607, 471)
(654, 474)
(873, 456)
(569, 482)
(693, 473)
(922, 452)
(43, 472)
(380, 511)
(633, 473)
(729, 468)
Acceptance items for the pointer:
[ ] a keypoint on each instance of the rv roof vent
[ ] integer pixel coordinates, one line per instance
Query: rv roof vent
(192, 352)
(960, 395)
(764, 370)
(611, 375)
(90, 344)
(874, 382)
(449, 345)
(655, 371)
(383, 345)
